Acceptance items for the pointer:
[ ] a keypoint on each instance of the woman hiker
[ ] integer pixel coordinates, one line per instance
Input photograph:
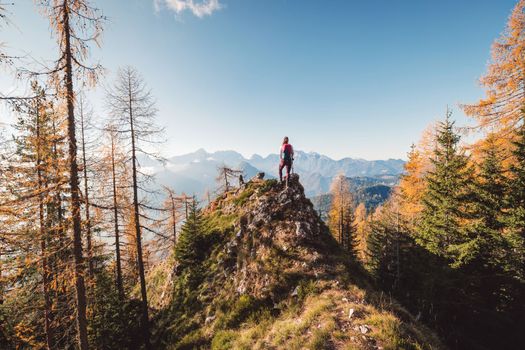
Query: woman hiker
(286, 157)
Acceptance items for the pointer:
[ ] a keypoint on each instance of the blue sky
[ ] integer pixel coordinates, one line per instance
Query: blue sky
(340, 77)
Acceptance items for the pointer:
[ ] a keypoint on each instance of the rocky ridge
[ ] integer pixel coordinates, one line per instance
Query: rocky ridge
(275, 279)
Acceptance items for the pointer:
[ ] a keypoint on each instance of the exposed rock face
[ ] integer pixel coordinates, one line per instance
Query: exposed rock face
(277, 231)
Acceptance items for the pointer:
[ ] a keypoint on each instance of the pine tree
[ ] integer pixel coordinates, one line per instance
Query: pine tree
(447, 196)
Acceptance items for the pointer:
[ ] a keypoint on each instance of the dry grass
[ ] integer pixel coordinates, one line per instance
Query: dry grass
(323, 322)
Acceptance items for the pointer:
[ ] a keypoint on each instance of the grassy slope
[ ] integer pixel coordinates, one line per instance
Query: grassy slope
(275, 279)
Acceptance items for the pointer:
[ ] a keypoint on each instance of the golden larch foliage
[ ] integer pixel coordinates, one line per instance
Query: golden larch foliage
(502, 108)
(412, 185)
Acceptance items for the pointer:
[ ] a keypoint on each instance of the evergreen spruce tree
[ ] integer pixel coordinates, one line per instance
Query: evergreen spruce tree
(486, 211)
(485, 261)
(516, 204)
(379, 253)
(447, 197)
(189, 249)
(490, 190)
(388, 246)
(351, 241)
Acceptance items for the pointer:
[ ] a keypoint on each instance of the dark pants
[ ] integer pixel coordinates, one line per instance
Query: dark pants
(288, 165)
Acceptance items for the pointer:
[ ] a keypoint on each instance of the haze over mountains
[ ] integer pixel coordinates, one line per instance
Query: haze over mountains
(195, 173)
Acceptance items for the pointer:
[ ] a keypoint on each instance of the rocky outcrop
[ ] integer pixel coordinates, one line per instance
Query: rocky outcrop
(276, 279)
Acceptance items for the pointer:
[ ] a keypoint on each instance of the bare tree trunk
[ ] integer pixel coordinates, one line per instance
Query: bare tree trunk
(173, 218)
(341, 213)
(86, 192)
(138, 240)
(120, 286)
(74, 186)
(1, 284)
(43, 248)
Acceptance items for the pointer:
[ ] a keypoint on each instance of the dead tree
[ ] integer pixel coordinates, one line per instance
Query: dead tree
(225, 177)
(173, 206)
(84, 119)
(112, 170)
(133, 109)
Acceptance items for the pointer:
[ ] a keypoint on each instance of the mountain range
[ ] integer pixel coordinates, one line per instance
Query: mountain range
(195, 173)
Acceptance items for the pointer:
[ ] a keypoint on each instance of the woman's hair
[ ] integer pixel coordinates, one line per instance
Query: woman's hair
(285, 140)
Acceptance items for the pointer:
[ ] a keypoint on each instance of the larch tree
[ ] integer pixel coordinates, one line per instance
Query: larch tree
(133, 109)
(76, 24)
(112, 195)
(41, 153)
(341, 216)
(361, 227)
(172, 207)
(113, 160)
(3, 19)
(34, 149)
(501, 110)
(84, 119)
(226, 176)
(412, 185)
(36, 182)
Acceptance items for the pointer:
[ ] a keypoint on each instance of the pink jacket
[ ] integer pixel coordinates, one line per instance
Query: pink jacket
(286, 147)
